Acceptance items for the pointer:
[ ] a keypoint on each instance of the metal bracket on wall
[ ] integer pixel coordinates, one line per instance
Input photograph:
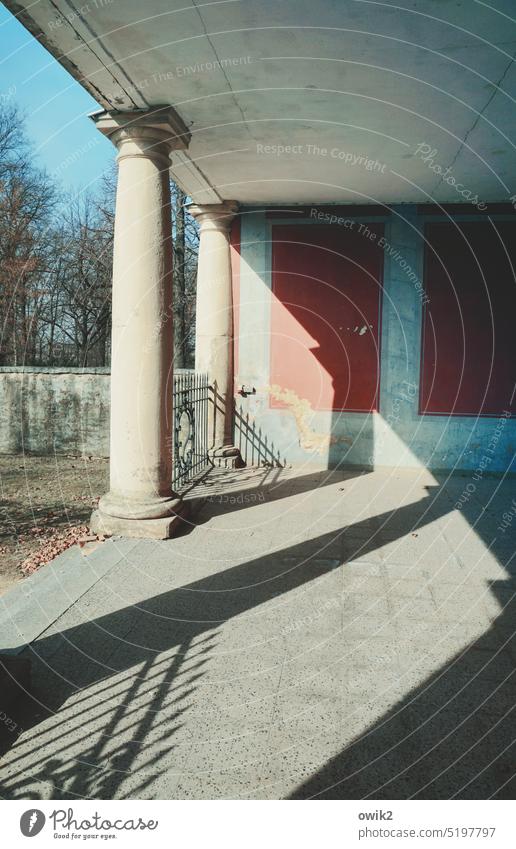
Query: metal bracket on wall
(245, 390)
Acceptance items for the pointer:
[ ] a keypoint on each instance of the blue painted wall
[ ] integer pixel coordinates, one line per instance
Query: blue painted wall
(395, 436)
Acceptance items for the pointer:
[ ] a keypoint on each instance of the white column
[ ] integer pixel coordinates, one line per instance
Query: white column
(140, 501)
(214, 320)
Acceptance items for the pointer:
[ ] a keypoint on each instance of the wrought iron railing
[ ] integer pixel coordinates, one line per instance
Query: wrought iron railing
(190, 400)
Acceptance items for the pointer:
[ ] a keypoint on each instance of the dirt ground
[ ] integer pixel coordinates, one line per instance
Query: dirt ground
(43, 503)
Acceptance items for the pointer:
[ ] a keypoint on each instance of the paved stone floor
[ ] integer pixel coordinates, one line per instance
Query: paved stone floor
(329, 635)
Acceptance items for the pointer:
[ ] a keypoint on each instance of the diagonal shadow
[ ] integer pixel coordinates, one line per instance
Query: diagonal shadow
(132, 673)
(451, 737)
(134, 639)
(233, 492)
(467, 704)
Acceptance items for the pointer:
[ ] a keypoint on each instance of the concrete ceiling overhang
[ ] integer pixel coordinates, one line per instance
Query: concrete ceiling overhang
(348, 101)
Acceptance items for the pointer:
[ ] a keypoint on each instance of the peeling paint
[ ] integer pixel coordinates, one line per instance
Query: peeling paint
(395, 435)
(309, 439)
(359, 330)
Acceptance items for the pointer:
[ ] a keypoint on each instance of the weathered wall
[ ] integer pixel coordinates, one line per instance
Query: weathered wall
(396, 435)
(54, 410)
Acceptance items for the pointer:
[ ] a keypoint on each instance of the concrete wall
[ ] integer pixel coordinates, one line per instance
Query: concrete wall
(394, 436)
(54, 410)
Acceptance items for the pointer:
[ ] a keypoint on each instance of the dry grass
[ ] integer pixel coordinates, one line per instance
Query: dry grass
(43, 503)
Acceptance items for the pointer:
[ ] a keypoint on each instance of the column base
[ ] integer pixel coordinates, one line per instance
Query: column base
(163, 528)
(227, 457)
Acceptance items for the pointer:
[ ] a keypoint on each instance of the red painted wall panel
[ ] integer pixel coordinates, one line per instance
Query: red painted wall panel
(325, 323)
(468, 362)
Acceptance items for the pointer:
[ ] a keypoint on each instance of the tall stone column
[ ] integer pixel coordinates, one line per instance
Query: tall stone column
(141, 501)
(214, 323)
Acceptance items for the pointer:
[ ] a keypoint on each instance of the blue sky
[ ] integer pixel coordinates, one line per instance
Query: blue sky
(56, 108)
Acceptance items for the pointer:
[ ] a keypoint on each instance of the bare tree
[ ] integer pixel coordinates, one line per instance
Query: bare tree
(186, 245)
(82, 311)
(27, 203)
(56, 264)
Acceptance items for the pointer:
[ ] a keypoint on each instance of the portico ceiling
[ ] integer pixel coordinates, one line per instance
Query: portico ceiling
(295, 101)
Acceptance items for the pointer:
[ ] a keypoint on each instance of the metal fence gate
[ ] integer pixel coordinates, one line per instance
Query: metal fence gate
(191, 396)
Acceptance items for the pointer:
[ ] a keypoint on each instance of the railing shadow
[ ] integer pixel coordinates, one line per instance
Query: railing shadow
(119, 686)
(255, 448)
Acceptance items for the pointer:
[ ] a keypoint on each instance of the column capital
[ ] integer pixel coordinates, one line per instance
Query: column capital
(214, 216)
(151, 133)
